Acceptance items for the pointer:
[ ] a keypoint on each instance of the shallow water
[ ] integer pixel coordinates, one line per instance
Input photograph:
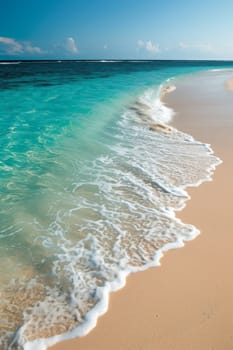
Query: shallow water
(89, 185)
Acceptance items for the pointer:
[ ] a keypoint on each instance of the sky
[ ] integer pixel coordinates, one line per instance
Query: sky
(116, 29)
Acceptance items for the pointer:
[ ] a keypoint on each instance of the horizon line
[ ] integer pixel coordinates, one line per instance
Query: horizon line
(112, 59)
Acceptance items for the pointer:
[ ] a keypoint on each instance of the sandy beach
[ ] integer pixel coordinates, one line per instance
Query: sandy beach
(187, 303)
(229, 84)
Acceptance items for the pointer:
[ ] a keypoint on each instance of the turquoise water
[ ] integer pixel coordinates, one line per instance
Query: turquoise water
(89, 186)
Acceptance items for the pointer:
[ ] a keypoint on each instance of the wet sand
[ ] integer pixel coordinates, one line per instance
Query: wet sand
(187, 303)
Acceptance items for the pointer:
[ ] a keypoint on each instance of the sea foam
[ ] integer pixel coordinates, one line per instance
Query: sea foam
(6, 63)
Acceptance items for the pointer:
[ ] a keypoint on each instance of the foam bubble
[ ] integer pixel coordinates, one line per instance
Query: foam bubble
(10, 62)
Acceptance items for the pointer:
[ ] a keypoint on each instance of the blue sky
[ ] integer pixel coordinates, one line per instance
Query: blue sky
(139, 29)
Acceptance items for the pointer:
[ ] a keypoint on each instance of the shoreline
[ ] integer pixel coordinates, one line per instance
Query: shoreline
(124, 303)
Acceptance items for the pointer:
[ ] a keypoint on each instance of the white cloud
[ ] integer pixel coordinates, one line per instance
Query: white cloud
(32, 49)
(12, 47)
(199, 47)
(141, 43)
(183, 45)
(151, 47)
(148, 46)
(70, 45)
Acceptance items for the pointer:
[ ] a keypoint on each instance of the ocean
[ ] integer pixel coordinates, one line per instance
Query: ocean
(92, 175)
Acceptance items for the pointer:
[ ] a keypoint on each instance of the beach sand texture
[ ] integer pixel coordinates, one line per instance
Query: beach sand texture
(187, 303)
(229, 84)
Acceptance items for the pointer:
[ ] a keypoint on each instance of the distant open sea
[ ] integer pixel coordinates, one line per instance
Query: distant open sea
(90, 178)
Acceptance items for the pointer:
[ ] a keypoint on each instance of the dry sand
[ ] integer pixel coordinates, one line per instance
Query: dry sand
(187, 303)
(229, 84)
